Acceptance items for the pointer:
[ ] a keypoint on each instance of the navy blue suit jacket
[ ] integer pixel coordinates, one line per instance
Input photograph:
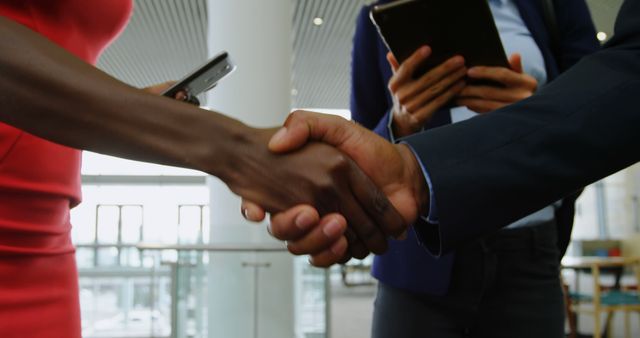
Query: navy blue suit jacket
(407, 265)
(580, 128)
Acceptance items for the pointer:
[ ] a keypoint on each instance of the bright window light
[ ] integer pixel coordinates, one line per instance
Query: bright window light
(601, 36)
(339, 112)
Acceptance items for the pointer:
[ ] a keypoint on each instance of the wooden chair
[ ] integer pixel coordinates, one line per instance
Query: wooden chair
(608, 299)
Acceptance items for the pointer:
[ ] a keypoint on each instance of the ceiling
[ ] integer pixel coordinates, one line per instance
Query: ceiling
(166, 39)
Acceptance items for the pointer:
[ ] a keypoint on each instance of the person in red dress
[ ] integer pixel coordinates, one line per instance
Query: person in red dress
(40, 181)
(53, 102)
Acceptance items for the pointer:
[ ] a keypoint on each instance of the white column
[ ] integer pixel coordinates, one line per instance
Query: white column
(257, 35)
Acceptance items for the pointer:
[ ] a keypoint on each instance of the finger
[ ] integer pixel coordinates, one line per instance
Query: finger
(330, 229)
(393, 62)
(302, 126)
(408, 67)
(436, 89)
(388, 221)
(491, 93)
(425, 113)
(158, 89)
(345, 258)
(453, 66)
(364, 227)
(293, 223)
(252, 211)
(335, 254)
(356, 248)
(502, 75)
(515, 61)
(480, 105)
(181, 95)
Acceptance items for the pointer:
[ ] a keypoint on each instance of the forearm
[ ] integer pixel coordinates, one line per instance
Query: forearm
(50, 93)
(574, 131)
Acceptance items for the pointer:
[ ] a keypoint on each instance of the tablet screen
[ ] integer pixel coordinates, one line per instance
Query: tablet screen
(449, 27)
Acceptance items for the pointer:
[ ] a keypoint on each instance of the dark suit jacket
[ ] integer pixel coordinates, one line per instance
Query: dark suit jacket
(406, 264)
(582, 127)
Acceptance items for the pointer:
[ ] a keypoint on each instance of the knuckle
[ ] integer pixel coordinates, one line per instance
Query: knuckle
(410, 107)
(345, 258)
(435, 89)
(320, 263)
(369, 234)
(393, 84)
(296, 114)
(380, 248)
(278, 232)
(340, 163)
(360, 253)
(295, 249)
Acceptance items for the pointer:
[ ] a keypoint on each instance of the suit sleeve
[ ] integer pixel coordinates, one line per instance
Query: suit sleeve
(577, 32)
(494, 169)
(368, 89)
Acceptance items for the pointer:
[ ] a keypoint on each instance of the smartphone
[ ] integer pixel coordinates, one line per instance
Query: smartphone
(449, 27)
(203, 78)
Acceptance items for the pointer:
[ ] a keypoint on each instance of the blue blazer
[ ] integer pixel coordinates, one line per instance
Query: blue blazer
(407, 265)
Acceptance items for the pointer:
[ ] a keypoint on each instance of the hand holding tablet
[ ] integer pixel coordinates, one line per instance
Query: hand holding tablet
(449, 28)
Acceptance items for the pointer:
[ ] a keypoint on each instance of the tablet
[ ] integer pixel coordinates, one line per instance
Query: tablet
(449, 27)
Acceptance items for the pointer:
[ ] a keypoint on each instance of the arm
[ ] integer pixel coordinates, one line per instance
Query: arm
(48, 92)
(548, 146)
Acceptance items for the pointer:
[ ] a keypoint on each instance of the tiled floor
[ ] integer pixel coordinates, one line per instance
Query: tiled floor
(351, 311)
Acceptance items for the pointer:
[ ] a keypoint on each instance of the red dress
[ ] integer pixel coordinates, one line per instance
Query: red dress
(40, 182)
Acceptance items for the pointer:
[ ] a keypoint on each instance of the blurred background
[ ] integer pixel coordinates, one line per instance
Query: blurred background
(163, 251)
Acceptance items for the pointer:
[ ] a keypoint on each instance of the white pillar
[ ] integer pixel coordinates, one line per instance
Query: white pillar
(257, 35)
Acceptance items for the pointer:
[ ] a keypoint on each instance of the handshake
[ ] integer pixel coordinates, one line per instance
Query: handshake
(334, 189)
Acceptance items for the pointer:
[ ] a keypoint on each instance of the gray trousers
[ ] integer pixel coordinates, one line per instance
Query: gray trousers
(505, 286)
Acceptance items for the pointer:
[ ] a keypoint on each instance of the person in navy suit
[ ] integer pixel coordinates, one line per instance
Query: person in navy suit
(507, 284)
(465, 181)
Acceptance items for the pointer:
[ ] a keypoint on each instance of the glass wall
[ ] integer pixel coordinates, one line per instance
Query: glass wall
(129, 291)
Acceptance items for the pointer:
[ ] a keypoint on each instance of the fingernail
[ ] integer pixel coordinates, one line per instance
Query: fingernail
(472, 71)
(332, 229)
(278, 137)
(458, 61)
(425, 50)
(245, 213)
(304, 221)
(310, 260)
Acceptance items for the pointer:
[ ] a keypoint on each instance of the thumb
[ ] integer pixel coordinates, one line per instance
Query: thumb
(289, 138)
(393, 62)
(515, 61)
(303, 126)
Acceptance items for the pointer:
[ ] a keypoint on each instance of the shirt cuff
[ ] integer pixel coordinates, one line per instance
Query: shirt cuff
(432, 217)
(392, 138)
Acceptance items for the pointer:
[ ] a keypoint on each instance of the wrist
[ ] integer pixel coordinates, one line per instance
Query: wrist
(220, 145)
(402, 125)
(413, 179)
(397, 126)
(244, 154)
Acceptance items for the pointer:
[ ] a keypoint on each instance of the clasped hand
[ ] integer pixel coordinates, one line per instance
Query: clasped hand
(310, 229)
